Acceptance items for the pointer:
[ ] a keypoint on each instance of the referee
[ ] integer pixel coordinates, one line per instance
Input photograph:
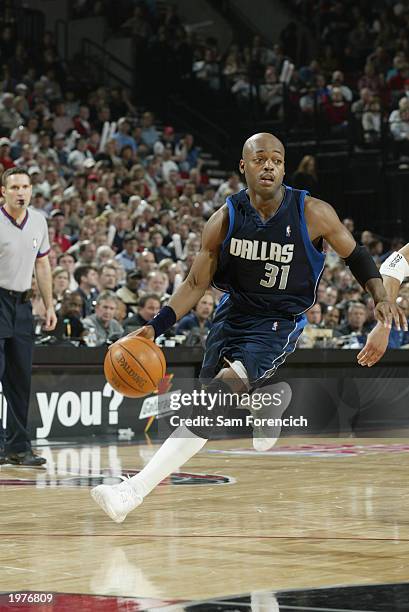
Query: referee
(24, 246)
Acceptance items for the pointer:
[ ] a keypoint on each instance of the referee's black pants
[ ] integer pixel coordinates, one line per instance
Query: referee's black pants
(16, 353)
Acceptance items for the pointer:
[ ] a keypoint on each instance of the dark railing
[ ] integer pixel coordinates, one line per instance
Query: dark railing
(107, 64)
(61, 37)
(207, 133)
(242, 29)
(30, 25)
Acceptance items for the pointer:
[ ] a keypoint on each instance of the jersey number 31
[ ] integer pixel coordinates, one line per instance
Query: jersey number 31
(271, 274)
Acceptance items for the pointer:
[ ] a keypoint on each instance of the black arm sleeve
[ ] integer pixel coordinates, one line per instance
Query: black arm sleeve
(362, 265)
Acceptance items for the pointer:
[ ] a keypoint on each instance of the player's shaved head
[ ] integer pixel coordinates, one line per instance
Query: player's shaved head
(262, 141)
(262, 164)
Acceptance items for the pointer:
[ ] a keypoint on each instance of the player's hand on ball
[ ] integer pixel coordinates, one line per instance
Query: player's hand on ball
(146, 331)
(387, 312)
(375, 346)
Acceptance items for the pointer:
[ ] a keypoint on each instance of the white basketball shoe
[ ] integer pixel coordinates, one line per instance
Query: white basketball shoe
(265, 436)
(117, 500)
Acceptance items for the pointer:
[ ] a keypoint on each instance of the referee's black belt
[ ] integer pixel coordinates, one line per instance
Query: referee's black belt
(21, 296)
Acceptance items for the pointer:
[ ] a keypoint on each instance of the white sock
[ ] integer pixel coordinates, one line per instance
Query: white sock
(181, 445)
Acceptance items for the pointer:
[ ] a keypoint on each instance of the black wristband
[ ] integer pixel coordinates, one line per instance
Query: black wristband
(362, 265)
(165, 318)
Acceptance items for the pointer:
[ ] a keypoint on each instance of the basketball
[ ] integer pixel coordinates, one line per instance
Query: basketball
(134, 366)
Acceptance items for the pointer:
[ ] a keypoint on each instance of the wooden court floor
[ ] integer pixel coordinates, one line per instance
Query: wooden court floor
(314, 512)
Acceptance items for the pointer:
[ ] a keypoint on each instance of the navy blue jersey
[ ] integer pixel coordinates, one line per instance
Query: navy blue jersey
(269, 267)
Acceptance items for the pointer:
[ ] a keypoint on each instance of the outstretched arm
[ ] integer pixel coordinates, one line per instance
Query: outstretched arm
(323, 221)
(200, 276)
(394, 270)
(378, 338)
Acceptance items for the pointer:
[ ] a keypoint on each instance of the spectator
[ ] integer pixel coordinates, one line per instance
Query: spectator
(336, 112)
(5, 159)
(149, 306)
(366, 237)
(358, 107)
(149, 133)
(200, 318)
(338, 83)
(397, 82)
(58, 223)
(121, 313)
(271, 93)
(314, 318)
(102, 199)
(86, 252)
(372, 121)
(168, 138)
(86, 277)
(44, 149)
(61, 283)
(371, 80)
(122, 226)
(103, 322)
(349, 224)
(67, 261)
(399, 126)
(331, 318)
(160, 252)
(20, 137)
(229, 187)
(158, 283)
(331, 296)
(62, 122)
(107, 280)
(308, 103)
(187, 153)
(127, 257)
(314, 314)
(103, 254)
(146, 263)
(9, 117)
(27, 157)
(69, 324)
(81, 122)
(79, 155)
(78, 185)
(356, 318)
(168, 162)
(122, 137)
(305, 177)
(129, 293)
(38, 202)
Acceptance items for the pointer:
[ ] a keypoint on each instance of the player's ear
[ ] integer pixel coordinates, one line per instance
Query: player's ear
(3, 190)
(241, 166)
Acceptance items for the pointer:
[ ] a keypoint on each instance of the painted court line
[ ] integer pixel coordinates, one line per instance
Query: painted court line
(196, 536)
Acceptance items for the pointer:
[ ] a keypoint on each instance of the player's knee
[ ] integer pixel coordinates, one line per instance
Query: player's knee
(235, 376)
(218, 397)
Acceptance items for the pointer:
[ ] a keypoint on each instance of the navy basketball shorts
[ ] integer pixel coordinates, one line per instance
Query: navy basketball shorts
(261, 343)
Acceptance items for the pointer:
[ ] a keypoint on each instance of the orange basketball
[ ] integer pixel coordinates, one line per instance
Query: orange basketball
(134, 366)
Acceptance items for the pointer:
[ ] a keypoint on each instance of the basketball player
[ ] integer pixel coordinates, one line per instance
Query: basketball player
(394, 270)
(264, 248)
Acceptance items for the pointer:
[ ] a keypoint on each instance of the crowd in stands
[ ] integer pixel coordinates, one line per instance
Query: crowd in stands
(355, 84)
(126, 200)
